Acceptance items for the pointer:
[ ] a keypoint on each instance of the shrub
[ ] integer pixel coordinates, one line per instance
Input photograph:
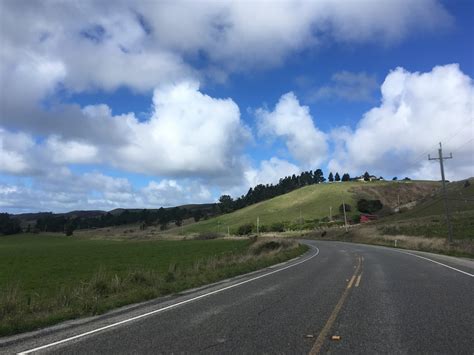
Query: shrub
(277, 227)
(245, 229)
(369, 206)
(356, 218)
(207, 236)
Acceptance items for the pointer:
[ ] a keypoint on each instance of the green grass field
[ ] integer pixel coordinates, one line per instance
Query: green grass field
(43, 264)
(312, 202)
(46, 279)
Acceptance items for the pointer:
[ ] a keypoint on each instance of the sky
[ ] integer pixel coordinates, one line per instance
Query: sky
(143, 104)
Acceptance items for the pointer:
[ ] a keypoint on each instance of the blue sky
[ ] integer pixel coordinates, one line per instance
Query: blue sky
(148, 104)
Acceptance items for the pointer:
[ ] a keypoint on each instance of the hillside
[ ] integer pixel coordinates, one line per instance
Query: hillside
(314, 201)
(428, 219)
(460, 200)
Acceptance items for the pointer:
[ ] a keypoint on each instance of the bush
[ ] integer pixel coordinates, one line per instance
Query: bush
(356, 218)
(263, 229)
(245, 229)
(369, 206)
(69, 229)
(277, 227)
(207, 236)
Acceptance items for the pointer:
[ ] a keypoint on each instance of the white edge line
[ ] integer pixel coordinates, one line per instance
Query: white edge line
(164, 308)
(437, 262)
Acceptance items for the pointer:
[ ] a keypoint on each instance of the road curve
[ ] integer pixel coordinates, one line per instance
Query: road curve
(375, 299)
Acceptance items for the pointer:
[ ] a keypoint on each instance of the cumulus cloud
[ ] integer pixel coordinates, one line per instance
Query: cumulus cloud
(417, 111)
(270, 172)
(293, 123)
(188, 134)
(62, 190)
(16, 152)
(91, 45)
(347, 86)
(168, 192)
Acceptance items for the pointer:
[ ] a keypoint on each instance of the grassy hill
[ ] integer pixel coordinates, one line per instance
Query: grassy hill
(427, 218)
(313, 202)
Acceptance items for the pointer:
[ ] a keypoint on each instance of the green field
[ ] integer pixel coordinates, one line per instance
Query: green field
(47, 279)
(312, 202)
(43, 264)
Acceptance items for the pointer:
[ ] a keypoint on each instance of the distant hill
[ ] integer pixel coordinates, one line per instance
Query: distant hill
(314, 202)
(31, 218)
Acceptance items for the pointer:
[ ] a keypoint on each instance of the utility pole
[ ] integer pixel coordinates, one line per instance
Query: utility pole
(301, 220)
(330, 213)
(345, 217)
(228, 231)
(258, 225)
(446, 207)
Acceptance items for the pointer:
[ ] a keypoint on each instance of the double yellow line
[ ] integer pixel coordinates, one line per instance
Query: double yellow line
(332, 318)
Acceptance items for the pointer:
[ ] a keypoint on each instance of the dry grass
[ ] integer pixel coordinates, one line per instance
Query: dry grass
(372, 235)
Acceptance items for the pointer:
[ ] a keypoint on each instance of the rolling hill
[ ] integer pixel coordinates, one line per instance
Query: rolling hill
(314, 202)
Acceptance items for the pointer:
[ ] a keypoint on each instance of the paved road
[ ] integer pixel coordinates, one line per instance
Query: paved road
(376, 300)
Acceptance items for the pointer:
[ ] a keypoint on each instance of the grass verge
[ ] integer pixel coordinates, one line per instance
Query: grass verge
(374, 236)
(25, 306)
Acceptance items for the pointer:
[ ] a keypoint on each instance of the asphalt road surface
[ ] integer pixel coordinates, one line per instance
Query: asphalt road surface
(338, 298)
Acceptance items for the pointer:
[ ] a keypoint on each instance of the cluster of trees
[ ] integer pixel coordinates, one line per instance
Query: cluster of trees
(9, 225)
(336, 177)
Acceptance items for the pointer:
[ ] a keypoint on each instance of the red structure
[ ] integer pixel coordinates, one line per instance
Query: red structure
(364, 218)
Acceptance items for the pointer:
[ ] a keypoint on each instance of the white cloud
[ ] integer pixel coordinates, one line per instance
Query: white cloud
(189, 134)
(270, 172)
(71, 152)
(169, 192)
(61, 190)
(294, 124)
(15, 153)
(418, 110)
(88, 44)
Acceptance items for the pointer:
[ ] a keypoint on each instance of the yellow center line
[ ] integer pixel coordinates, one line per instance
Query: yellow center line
(332, 318)
(358, 280)
(351, 281)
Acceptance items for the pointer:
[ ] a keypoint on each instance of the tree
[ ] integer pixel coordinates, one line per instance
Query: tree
(69, 229)
(394, 178)
(226, 203)
(366, 176)
(337, 177)
(318, 176)
(245, 229)
(369, 206)
(346, 177)
(9, 225)
(330, 177)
